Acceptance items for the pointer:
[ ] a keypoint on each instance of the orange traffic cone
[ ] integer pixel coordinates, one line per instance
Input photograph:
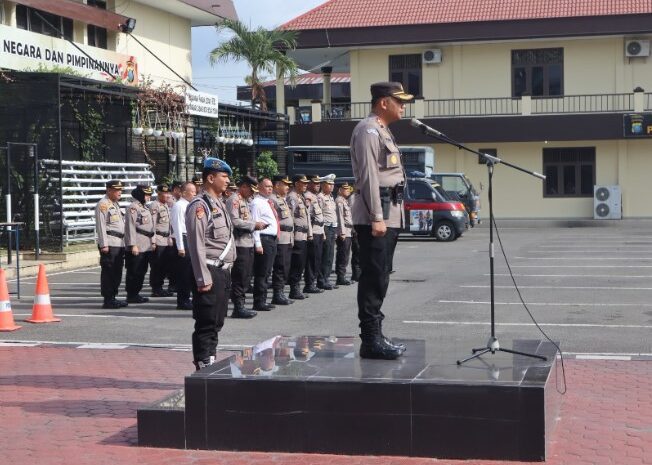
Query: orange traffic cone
(42, 309)
(6, 317)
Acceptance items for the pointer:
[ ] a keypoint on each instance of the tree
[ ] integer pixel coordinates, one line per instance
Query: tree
(263, 49)
(266, 166)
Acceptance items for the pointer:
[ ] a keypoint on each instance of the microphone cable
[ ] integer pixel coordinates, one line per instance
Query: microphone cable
(518, 291)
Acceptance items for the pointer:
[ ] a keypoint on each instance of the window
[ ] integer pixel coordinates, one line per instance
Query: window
(41, 22)
(406, 69)
(419, 191)
(96, 35)
(538, 72)
(570, 172)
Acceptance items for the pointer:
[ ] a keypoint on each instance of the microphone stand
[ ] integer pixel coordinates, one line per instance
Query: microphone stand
(493, 345)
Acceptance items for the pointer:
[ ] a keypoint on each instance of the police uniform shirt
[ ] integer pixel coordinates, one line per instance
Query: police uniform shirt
(243, 224)
(344, 218)
(327, 204)
(285, 218)
(299, 212)
(139, 227)
(316, 214)
(108, 217)
(376, 163)
(161, 218)
(209, 230)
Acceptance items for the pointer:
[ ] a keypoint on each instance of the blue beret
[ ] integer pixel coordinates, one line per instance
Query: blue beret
(215, 164)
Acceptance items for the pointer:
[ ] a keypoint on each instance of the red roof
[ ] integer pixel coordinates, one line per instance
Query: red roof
(341, 14)
(313, 78)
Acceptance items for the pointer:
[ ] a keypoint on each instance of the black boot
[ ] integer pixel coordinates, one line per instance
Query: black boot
(312, 289)
(375, 348)
(343, 282)
(397, 345)
(296, 294)
(239, 311)
(280, 299)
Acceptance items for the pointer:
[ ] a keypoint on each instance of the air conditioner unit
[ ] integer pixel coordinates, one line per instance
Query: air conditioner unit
(606, 203)
(637, 48)
(431, 56)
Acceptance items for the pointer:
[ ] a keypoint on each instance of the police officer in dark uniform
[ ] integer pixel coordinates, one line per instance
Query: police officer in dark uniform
(139, 242)
(243, 227)
(110, 232)
(378, 211)
(302, 233)
(163, 256)
(212, 253)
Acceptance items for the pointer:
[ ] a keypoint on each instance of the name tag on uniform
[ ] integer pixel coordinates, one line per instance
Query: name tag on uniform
(113, 218)
(372, 131)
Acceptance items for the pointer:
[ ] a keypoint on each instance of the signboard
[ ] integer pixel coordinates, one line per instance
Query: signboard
(201, 104)
(23, 50)
(637, 125)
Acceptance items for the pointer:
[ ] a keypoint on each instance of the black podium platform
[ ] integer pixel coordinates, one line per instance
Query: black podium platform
(314, 394)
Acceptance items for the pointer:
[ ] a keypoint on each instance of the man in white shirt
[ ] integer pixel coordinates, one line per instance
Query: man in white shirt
(265, 240)
(183, 266)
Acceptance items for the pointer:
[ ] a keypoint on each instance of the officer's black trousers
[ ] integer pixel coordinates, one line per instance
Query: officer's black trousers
(282, 262)
(328, 254)
(298, 262)
(241, 273)
(159, 265)
(183, 274)
(355, 256)
(112, 263)
(313, 261)
(343, 256)
(209, 310)
(263, 264)
(375, 257)
(136, 270)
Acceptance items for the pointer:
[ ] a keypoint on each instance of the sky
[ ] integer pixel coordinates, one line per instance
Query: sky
(223, 78)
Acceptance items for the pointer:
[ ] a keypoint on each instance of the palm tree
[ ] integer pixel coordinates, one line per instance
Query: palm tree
(263, 49)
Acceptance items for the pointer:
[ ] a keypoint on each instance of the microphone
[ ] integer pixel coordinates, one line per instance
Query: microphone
(426, 129)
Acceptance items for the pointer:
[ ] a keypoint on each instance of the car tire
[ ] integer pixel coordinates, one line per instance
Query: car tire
(445, 231)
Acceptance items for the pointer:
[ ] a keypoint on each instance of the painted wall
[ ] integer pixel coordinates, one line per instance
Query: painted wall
(518, 195)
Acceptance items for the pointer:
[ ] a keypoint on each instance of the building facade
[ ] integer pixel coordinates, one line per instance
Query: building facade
(560, 88)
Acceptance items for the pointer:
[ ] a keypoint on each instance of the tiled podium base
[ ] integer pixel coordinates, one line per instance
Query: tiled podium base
(314, 394)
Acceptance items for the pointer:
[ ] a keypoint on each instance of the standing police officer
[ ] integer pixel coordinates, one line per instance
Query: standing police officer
(139, 241)
(162, 256)
(316, 244)
(302, 233)
(110, 232)
(243, 227)
(378, 211)
(283, 258)
(344, 228)
(328, 207)
(212, 253)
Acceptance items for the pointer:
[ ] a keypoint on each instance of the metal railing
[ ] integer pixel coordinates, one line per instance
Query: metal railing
(495, 106)
(593, 103)
(354, 111)
(648, 102)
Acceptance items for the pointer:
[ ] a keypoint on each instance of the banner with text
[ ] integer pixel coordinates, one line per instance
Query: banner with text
(22, 50)
(201, 104)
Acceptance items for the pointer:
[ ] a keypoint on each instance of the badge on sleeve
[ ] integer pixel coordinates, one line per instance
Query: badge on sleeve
(394, 159)
(373, 131)
(200, 212)
(103, 207)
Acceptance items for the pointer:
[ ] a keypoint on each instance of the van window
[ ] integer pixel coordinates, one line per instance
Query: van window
(419, 191)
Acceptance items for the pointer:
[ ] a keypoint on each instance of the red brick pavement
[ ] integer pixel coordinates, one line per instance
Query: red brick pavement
(78, 406)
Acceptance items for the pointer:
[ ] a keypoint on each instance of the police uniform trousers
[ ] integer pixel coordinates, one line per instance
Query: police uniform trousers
(313, 261)
(183, 273)
(355, 257)
(160, 263)
(282, 263)
(343, 256)
(209, 310)
(375, 258)
(328, 253)
(263, 264)
(136, 270)
(112, 263)
(241, 273)
(298, 262)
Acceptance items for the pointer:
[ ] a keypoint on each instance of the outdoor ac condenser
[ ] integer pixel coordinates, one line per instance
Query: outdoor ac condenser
(607, 203)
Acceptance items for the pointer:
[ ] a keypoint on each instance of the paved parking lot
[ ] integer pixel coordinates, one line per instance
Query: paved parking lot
(589, 288)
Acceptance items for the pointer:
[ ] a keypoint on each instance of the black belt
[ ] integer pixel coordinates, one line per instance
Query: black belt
(163, 234)
(287, 228)
(115, 234)
(318, 223)
(300, 229)
(145, 233)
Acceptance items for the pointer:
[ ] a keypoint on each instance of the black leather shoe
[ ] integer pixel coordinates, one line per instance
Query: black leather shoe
(112, 304)
(398, 346)
(122, 303)
(327, 287)
(263, 307)
(243, 313)
(355, 278)
(343, 282)
(161, 293)
(184, 306)
(312, 290)
(378, 350)
(280, 299)
(296, 294)
(138, 299)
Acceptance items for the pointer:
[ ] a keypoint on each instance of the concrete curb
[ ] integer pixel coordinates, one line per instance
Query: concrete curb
(72, 260)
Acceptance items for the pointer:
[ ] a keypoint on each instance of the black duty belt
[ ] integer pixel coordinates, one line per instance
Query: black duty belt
(287, 228)
(318, 223)
(145, 233)
(115, 234)
(163, 234)
(300, 229)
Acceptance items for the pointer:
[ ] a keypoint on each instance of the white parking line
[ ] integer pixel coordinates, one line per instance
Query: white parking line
(581, 266)
(563, 325)
(542, 304)
(646, 276)
(94, 316)
(593, 288)
(584, 258)
(33, 278)
(589, 251)
(625, 358)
